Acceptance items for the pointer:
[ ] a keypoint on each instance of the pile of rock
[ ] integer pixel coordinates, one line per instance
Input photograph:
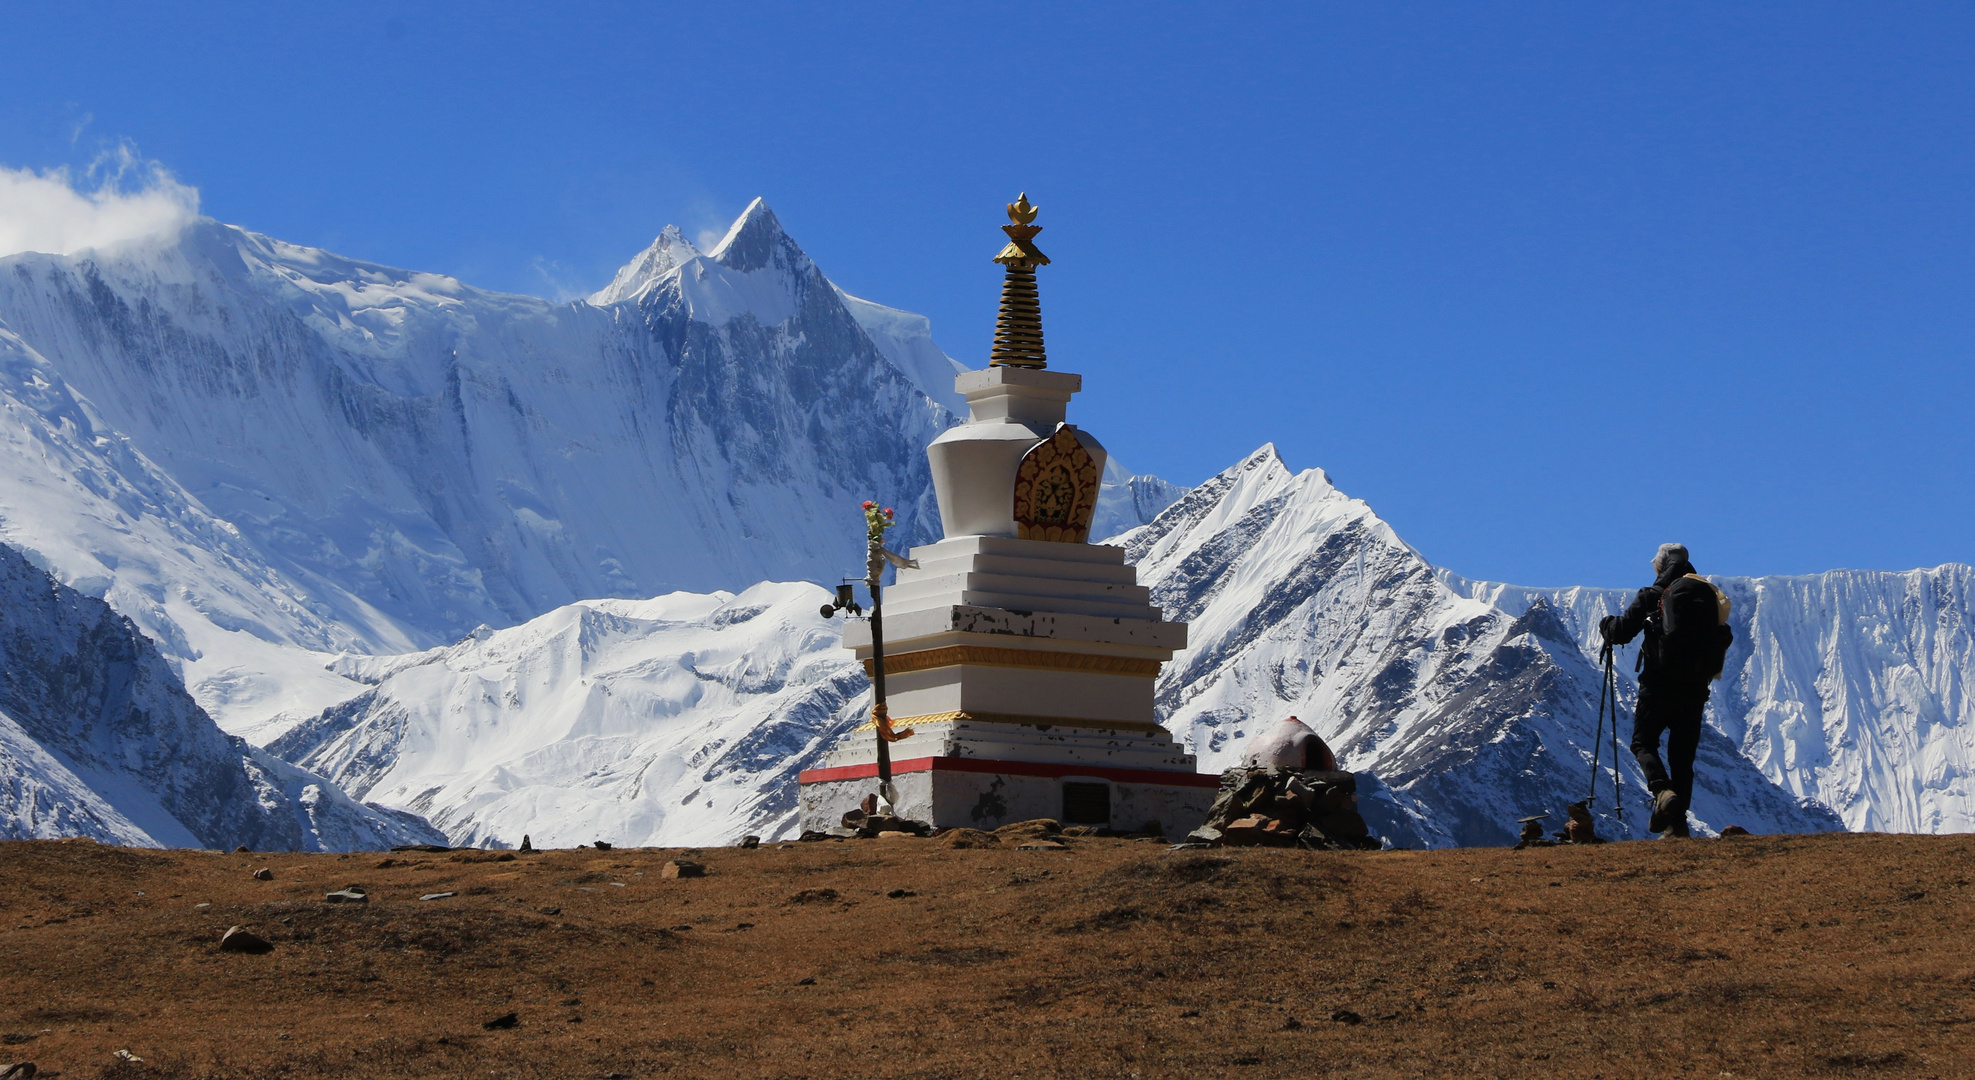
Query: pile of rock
(1282, 807)
(1579, 828)
(868, 821)
(869, 824)
(1288, 792)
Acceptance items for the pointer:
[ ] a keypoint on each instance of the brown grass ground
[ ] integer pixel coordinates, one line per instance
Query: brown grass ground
(1789, 956)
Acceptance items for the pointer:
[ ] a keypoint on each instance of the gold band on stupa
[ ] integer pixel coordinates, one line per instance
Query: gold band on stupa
(1018, 327)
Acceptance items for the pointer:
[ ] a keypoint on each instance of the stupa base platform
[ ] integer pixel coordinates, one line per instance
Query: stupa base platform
(985, 770)
(973, 793)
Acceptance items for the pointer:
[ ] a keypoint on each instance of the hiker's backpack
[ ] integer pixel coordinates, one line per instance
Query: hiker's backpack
(1694, 634)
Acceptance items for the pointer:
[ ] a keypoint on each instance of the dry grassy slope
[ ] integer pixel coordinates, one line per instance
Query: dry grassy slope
(1814, 955)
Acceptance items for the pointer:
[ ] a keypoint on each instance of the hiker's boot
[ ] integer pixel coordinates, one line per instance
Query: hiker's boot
(1666, 811)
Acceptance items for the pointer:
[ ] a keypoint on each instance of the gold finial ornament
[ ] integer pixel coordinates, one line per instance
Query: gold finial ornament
(1018, 328)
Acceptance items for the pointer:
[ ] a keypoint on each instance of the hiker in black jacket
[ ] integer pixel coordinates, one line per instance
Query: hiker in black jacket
(1683, 653)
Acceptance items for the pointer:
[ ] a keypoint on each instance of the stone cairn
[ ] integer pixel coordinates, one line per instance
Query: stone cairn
(1288, 792)
(870, 820)
(1579, 828)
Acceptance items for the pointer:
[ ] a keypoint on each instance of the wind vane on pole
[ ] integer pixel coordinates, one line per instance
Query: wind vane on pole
(876, 521)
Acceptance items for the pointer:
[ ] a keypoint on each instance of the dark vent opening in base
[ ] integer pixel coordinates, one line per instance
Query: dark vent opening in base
(1086, 804)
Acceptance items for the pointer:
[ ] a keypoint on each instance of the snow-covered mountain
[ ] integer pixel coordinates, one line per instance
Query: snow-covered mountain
(98, 738)
(1301, 601)
(1855, 688)
(93, 510)
(1473, 705)
(672, 721)
(451, 456)
(302, 474)
(267, 455)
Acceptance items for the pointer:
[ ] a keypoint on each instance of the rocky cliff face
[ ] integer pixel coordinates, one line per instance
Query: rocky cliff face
(98, 738)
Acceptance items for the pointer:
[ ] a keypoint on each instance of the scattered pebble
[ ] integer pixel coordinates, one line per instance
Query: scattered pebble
(549, 910)
(810, 981)
(437, 895)
(353, 894)
(237, 939)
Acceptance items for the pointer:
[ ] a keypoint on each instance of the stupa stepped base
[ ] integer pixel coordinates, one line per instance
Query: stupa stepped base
(963, 770)
(990, 737)
(979, 794)
(1022, 575)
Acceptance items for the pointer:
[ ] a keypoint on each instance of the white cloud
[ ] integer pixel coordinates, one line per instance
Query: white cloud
(132, 199)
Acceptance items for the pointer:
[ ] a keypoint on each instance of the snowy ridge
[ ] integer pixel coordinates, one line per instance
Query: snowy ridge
(679, 720)
(98, 738)
(452, 456)
(907, 341)
(87, 506)
(1302, 601)
(1854, 688)
(663, 256)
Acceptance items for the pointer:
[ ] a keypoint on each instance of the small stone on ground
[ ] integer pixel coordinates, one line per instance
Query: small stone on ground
(241, 940)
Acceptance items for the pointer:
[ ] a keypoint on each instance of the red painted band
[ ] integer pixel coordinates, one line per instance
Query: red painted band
(1014, 768)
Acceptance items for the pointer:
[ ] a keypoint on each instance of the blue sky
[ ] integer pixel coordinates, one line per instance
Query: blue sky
(1544, 284)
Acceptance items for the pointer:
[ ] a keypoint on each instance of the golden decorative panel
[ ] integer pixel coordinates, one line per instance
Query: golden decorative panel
(1056, 490)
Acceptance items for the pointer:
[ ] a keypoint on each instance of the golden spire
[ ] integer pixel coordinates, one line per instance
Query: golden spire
(1018, 329)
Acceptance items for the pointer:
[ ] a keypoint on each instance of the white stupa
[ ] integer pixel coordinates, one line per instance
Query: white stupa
(1021, 656)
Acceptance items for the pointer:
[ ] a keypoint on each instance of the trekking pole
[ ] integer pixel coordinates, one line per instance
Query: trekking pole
(1618, 773)
(1607, 693)
(1598, 736)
